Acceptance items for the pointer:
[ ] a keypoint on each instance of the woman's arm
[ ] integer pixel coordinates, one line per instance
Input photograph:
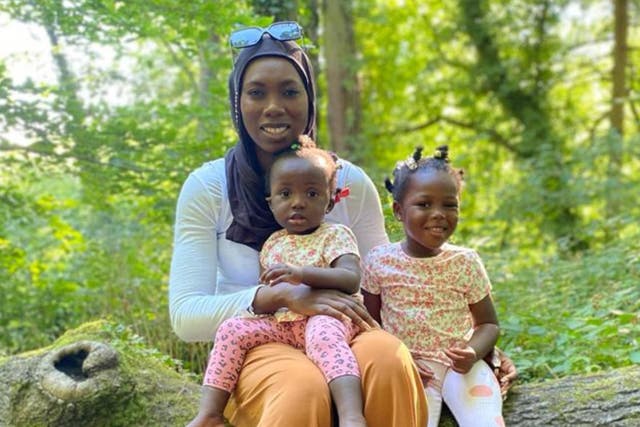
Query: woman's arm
(195, 309)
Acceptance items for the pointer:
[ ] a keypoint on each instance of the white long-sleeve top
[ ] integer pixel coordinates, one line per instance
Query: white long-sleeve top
(213, 278)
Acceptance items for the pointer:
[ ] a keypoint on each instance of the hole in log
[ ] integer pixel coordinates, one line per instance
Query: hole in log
(71, 364)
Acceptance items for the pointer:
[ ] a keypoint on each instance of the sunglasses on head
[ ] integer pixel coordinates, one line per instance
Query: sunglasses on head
(249, 36)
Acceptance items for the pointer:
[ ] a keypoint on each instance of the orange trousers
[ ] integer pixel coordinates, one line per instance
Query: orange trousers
(280, 387)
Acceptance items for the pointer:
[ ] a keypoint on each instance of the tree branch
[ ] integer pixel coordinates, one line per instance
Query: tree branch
(494, 136)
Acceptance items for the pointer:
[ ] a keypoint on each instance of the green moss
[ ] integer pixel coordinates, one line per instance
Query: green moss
(151, 388)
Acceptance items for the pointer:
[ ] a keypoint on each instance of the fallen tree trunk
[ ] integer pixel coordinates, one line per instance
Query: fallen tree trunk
(101, 375)
(610, 398)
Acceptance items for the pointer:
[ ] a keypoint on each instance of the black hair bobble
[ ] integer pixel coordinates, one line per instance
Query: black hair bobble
(388, 185)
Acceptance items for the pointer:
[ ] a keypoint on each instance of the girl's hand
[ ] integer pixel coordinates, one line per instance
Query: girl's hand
(280, 273)
(462, 359)
(307, 301)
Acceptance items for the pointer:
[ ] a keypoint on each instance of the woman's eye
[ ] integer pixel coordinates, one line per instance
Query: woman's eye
(255, 93)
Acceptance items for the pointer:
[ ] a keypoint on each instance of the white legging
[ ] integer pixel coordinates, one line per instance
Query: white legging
(473, 398)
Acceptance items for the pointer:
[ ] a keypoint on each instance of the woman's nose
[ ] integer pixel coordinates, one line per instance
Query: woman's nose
(274, 107)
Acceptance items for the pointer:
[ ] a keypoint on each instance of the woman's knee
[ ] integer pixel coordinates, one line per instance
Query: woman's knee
(380, 351)
(299, 399)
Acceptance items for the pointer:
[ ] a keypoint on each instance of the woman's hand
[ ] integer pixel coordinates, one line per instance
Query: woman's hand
(280, 273)
(506, 372)
(304, 300)
(462, 359)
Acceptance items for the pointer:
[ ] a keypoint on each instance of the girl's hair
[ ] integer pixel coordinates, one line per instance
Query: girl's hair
(405, 168)
(306, 148)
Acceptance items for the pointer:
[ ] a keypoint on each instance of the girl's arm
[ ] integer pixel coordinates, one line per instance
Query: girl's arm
(484, 337)
(343, 275)
(373, 303)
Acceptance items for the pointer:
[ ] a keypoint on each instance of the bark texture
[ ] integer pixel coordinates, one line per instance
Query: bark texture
(610, 398)
(101, 375)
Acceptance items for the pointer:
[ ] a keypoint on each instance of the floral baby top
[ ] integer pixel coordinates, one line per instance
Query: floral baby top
(319, 249)
(424, 301)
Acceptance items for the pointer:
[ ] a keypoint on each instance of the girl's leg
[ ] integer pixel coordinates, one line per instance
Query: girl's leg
(327, 345)
(474, 398)
(279, 386)
(433, 388)
(392, 389)
(234, 338)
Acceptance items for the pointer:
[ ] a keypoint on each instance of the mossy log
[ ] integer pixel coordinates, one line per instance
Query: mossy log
(102, 375)
(96, 375)
(609, 398)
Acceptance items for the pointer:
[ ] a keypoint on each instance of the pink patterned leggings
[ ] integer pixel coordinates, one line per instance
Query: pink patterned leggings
(324, 339)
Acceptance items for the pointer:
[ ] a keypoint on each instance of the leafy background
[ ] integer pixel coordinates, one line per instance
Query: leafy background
(91, 160)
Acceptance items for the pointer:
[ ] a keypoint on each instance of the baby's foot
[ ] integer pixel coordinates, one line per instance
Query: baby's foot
(206, 420)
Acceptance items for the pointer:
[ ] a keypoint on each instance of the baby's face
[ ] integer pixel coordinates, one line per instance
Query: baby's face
(300, 194)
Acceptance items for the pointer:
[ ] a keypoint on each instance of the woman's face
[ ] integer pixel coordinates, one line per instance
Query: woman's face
(274, 105)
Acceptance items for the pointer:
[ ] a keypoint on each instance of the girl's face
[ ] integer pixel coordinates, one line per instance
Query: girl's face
(300, 193)
(274, 105)
(428, 211)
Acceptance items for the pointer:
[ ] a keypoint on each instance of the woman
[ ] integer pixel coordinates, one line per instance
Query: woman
(223, 219)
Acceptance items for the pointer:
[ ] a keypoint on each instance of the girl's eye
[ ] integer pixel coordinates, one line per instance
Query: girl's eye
(312, 193)
(284, 193)
(291, 93)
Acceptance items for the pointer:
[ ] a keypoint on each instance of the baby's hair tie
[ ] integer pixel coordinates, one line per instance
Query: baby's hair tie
(341, 193)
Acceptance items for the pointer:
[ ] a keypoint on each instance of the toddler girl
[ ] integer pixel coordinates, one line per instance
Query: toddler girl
(302, 188)
(430, 293)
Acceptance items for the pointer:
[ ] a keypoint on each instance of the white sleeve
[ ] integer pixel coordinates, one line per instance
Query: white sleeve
(364, 209)
(196, 309)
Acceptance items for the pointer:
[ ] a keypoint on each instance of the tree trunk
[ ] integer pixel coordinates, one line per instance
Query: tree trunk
(102, 375)
(540, 144)
(619, 96)
(620, 53)
(343, 106)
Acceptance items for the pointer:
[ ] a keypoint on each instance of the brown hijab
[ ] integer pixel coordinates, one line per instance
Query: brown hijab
(253, 221)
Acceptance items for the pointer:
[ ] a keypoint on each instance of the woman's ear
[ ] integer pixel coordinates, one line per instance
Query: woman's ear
(397, 210)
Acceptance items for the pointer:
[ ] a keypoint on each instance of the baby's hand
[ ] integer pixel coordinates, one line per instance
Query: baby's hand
(462, 359)
(282, 273)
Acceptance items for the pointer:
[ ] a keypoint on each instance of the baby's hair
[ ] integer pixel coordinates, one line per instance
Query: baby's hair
(306, 148)
(405, 168)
